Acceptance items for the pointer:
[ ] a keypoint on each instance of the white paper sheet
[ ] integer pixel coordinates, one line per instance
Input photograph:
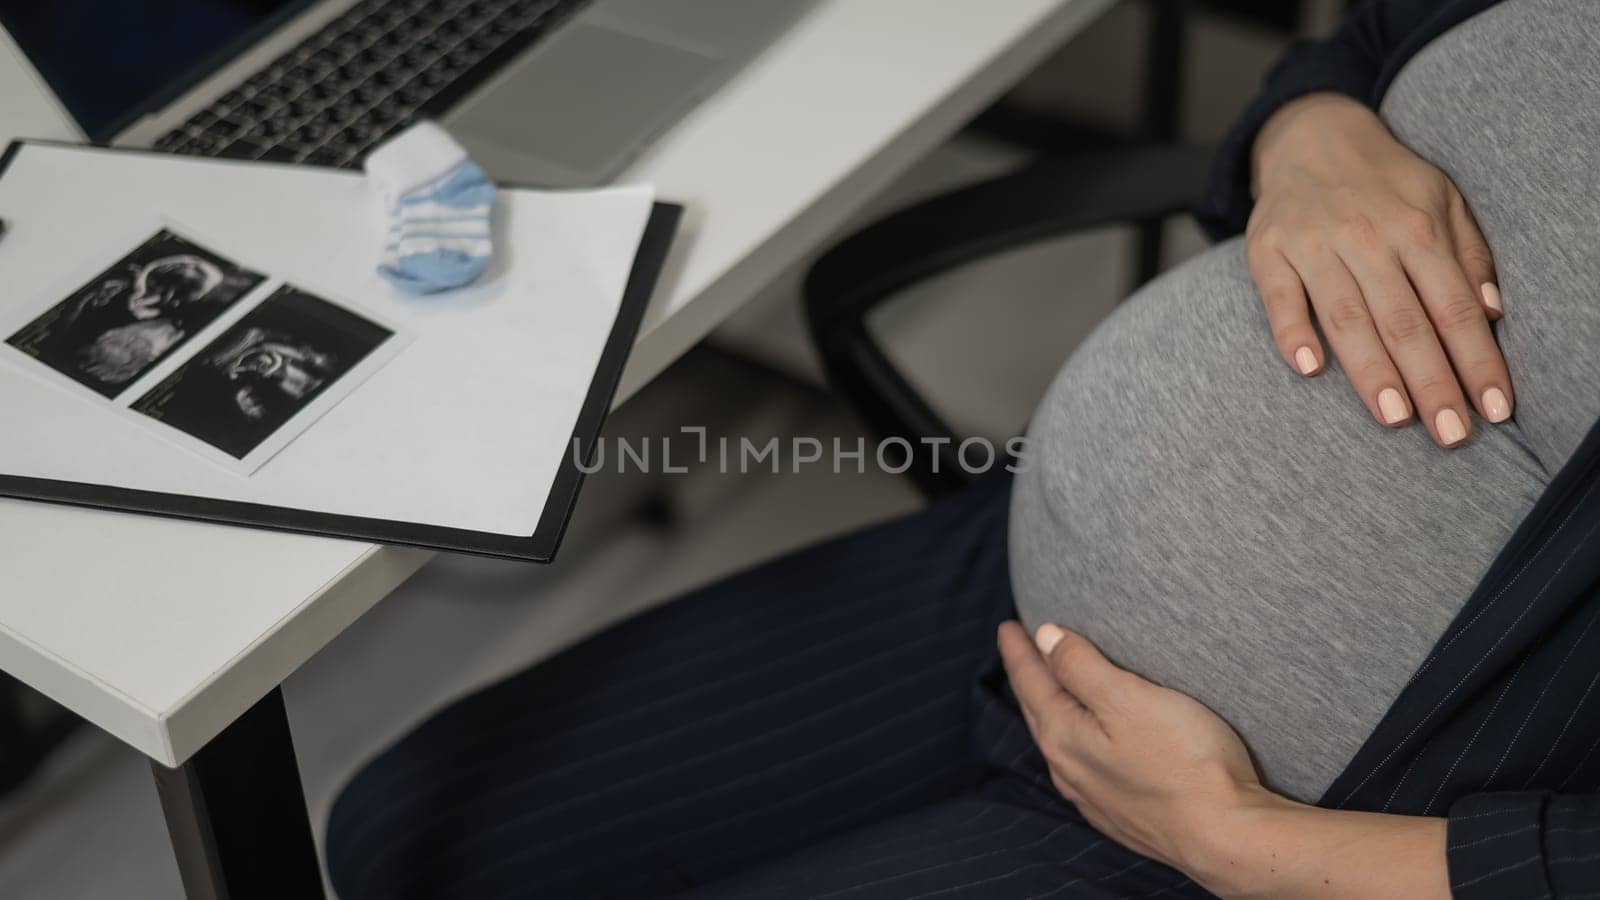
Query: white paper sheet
(465, 427)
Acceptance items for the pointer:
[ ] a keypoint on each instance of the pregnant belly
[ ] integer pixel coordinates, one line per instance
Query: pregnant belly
(1250, 537)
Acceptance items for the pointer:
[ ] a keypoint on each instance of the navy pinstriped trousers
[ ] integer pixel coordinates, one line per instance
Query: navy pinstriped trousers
(834, 724)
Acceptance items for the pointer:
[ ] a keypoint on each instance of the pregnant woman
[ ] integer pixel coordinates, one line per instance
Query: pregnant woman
(1269, 649)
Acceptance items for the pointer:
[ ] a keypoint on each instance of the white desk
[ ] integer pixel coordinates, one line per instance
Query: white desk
(164, 632)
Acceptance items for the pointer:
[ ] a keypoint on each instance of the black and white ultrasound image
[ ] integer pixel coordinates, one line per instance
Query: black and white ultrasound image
(262, 371)
(137, 312)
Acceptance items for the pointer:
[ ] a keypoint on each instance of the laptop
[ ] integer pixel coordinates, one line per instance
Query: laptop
(545, 92)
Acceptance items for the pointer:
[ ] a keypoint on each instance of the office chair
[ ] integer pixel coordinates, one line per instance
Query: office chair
(1167, 24)
(1167, 27)
(1046, 198)
(1083, 177)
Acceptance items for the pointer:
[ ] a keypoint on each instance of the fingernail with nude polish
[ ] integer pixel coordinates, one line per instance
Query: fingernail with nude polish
(1491, 297)
(1047, 637)
(1496, 408)
(1392, 406)
(1305, 360)
(1451, 429)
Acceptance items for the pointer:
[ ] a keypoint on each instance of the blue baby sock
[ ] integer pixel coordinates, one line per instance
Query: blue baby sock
(438, 204)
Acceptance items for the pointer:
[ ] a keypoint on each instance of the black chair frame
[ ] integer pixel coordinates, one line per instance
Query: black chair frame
(1044, 199)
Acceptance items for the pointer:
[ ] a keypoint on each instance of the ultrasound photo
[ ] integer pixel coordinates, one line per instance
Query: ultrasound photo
(267, 367)
(136, 313)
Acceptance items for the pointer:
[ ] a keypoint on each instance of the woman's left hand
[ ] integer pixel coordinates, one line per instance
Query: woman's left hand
(1161, 774)
(1145, 765)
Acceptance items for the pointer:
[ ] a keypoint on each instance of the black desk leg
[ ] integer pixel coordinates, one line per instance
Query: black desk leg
(237, 813)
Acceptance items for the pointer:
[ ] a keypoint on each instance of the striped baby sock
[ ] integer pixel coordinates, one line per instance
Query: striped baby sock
(438, 204)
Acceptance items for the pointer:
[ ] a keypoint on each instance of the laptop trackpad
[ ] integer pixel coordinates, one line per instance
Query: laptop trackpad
(581, 106)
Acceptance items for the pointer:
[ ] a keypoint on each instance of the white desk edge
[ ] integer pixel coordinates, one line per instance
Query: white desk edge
(743, 228)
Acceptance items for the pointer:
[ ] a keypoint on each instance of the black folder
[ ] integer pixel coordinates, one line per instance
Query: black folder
(540, 546)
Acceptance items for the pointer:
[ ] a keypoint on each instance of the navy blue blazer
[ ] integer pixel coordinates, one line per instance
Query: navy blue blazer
(1499, 729)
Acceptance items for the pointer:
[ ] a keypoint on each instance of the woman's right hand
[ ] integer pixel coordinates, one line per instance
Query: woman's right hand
(1352, 227)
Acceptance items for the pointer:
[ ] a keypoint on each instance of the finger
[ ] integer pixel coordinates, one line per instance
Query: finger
(1347, 322)
(1287, 311)
(1413, 345)
(1038, 692)
(1064, 788)
(1080, 667)
(1463, 328)
(1031, 721)
(1472, 251)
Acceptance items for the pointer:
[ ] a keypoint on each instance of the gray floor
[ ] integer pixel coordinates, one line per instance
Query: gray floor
(89, 827)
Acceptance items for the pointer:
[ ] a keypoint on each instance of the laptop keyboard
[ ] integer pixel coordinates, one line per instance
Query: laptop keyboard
(364, 76)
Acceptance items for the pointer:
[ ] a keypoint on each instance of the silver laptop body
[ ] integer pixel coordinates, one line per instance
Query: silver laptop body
(570, 106)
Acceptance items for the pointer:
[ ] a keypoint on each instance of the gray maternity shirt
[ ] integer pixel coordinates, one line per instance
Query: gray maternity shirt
(1253, 538)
